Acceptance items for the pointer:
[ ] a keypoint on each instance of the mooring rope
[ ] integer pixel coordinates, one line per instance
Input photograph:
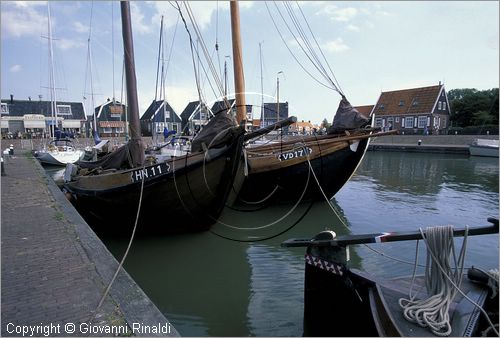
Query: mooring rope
(122, 261)
(442, 283)
(383, 254)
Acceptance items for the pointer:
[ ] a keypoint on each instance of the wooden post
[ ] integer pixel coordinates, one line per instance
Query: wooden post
(239, 83)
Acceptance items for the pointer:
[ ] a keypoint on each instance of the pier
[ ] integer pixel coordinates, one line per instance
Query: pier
(55, 269)
(446, 144)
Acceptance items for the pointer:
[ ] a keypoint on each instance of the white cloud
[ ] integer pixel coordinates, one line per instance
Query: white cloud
(336, 46)
(338, 14)
(22, 19)
(203, 11)
(353, 28)
(344, 14)
(66, 44)
(80, 27)
(15, 68)
(137, 16)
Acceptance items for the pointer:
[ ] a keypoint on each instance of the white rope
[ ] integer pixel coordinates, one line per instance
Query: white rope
(441, 282)
(122, 261)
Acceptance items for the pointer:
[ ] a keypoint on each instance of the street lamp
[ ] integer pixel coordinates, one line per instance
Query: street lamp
(278, 95)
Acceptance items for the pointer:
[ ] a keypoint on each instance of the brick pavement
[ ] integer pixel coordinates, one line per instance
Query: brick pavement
(48, 276)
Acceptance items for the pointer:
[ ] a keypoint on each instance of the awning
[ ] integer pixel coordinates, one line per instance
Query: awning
(111, 124)
(71, 124)
(31, 124)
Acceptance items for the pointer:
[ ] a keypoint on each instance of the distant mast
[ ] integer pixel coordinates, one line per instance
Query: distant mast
(239, 83)
(53, 98)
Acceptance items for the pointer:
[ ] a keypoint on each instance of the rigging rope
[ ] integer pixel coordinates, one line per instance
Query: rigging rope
(317, 64)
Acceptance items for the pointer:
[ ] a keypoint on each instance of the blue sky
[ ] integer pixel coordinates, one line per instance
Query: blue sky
(370, 46)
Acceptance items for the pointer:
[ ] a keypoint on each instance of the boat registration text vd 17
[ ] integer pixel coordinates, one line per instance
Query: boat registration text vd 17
(150, 172)
(288, 155)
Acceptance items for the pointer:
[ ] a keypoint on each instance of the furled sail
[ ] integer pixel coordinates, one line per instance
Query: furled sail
(347, 117)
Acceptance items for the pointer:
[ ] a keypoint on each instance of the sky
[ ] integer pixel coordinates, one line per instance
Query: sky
(369, 46)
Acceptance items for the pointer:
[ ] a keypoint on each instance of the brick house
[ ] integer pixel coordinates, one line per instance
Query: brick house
(424, 110)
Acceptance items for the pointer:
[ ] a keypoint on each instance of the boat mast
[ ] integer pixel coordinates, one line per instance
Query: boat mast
(239, 83)
(136, 145)
(53, 98)
(261, 88)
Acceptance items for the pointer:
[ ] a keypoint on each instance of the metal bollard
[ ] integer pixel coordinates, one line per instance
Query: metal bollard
(11, 150)
(3, 168)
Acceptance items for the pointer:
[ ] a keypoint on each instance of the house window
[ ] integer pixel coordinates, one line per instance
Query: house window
(378, 122)
(159, 127)
(107, 130)
(414, 103)
(408, 122)
(439, 105)
(64, 110)
(381, 106)
(444, 105)
(401, 103)
(167, 114)
(397, 119)
(5, 108)
(422, 122)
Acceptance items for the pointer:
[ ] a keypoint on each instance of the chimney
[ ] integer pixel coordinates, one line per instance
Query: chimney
(440, 83)
(29, 98)
(11, 98)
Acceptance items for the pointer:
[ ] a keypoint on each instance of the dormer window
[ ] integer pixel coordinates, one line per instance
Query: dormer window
(381, 106)
(401, 103)
(5, 108)
(414, 103)
(64, 110)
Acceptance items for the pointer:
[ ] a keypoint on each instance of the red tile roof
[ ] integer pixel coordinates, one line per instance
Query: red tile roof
(407, 101)
(365, 110)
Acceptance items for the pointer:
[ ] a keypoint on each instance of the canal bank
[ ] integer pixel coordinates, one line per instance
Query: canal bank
(55, 269)
(445, 144)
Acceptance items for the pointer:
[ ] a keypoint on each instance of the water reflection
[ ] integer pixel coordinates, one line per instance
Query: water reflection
(236, 280)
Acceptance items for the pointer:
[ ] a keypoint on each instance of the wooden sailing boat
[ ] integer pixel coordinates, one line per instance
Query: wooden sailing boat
(313, 167)
(58, 152)
(193, 188)
(342, 301)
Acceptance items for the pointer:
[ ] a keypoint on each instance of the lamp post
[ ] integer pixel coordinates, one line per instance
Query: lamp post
(278, 95)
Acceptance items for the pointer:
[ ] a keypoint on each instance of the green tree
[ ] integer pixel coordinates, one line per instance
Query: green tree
(325, 123)
(471, 107)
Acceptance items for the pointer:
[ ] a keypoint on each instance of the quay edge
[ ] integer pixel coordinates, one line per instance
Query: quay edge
(133, 304)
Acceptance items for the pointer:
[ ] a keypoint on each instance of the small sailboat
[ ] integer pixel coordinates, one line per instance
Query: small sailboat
(193, 188)
(58, 152)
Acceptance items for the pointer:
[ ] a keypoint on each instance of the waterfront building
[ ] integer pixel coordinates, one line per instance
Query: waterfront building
(158, 116)
(110, 118)
(424, 110)
(34, 117)
(302, 128)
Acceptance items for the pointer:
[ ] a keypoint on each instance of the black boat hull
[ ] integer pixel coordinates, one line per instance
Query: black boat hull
(292, 183)
(185, 199)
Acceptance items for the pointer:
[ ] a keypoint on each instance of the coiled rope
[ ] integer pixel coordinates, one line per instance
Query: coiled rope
(441, 281)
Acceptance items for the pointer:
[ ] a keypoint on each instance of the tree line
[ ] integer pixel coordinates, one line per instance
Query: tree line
(472, 107)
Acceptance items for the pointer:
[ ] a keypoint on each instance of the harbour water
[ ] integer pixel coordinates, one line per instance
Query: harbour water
(236, 280)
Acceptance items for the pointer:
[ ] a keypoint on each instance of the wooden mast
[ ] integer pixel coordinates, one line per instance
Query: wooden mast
(239, 82)
(135, 144)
